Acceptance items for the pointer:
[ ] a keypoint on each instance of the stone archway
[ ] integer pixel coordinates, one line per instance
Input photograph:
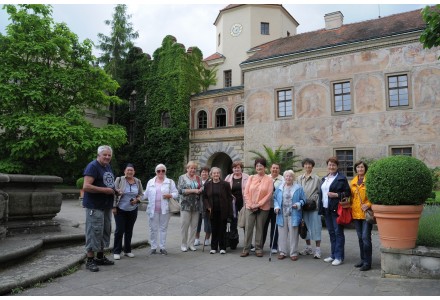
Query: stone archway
(223, 161)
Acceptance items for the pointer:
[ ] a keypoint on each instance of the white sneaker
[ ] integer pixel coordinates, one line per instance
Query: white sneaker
(212, 252)
(252, 249)
(329, 259)
(207, 242)
(183, 248)
(306, 251)
(192, 248)
(317, 254)
(116, 256)
(337, 262)
(274, 251)
(222, 251)
(129, 254)
(197, 242)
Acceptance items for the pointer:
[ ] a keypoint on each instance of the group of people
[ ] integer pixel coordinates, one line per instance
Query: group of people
(266, 199)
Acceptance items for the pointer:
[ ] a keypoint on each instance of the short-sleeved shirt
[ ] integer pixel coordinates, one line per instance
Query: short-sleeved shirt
(104, 177)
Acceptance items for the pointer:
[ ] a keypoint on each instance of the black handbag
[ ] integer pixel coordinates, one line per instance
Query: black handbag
(303, 229)
(310, 205)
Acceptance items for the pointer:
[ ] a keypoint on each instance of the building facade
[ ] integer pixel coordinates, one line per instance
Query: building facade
(362, 90)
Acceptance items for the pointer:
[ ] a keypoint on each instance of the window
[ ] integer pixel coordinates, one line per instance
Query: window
(288, 33)
(239, 115)
(218, 42)
(202, 119)
(220, 118)
(165, 119)
(342, 97)
(284, 103)
(228, 78)
(264, 28)
(345, 157)
(132, 101)
(397, 91)
(401, 151)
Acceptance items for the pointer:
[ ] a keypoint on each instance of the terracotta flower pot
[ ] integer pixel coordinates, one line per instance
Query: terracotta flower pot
(398, 225)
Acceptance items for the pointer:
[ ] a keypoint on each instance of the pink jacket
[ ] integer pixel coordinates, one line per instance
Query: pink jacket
(258, 192)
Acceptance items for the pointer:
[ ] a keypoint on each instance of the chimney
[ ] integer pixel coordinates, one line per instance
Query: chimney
(333, 20)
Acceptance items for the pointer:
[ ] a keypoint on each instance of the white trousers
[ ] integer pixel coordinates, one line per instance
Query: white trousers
(159, 225)
(188, 221)
(288, 237)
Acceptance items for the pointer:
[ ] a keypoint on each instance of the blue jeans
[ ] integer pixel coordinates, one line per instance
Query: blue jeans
(363, 230)
(336, 233)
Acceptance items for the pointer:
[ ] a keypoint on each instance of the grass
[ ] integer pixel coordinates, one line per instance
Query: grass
(429, 227)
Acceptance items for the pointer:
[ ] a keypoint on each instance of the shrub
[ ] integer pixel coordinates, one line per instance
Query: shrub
(429, 227)
(398, 180)
(80, 182)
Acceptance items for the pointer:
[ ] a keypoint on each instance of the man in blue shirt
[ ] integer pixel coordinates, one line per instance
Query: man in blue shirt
(99, 192)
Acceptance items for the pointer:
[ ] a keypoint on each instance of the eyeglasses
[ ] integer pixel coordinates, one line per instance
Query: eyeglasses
(160, 171)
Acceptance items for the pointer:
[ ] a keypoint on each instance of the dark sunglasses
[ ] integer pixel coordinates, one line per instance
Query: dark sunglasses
(160, 171)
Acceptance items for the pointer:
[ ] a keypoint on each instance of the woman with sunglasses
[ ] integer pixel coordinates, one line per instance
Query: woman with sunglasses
(158, 192)
(125, 210)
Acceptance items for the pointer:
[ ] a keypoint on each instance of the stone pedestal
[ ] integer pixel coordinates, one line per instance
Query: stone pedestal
(32, 202)
(420, 262)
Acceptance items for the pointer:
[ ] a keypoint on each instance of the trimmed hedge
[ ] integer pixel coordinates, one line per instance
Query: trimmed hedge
(398, 180)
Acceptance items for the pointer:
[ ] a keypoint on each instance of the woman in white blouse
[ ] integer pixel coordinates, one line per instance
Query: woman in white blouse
(158, 192)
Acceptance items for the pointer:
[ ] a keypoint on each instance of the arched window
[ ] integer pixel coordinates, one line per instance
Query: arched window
(239, 115)
(165, 119)
(202, 119)
(220, 118)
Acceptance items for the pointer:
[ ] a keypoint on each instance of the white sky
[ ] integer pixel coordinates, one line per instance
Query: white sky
(192, 23)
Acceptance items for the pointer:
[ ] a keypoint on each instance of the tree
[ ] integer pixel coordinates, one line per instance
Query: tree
(282, 156)
(430, 37)
(47, 81)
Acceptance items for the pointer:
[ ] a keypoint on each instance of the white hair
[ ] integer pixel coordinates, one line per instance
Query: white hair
(215, 169)
(103, 148)
(160, 166)
(289, 172)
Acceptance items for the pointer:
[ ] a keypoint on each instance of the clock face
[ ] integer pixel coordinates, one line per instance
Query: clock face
(236, 29)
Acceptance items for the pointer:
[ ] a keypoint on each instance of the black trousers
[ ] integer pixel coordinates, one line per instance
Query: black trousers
(218, 227)
(124, 228)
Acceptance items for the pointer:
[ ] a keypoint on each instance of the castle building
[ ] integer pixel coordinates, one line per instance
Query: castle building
(361, 90)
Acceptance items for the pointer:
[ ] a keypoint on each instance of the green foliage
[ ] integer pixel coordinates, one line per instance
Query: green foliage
(282, 156)
(80, 182)
(429, 227)
(435, 172)
(47, 80)
(398, 180)
(430, 36)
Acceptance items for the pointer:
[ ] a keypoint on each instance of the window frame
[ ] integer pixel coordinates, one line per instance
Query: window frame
(387, 91)
(165, 119)
(239, 118)
(401, 147)
(223, 115)
(227, 78)
(334, 95)
(346, 169)
(264, 28)
(277, 103)
(205, 121)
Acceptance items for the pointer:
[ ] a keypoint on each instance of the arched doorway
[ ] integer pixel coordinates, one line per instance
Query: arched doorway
(221, 160)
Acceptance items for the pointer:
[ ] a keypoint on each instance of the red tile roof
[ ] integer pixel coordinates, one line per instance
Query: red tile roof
(346, 34)
(213, 56)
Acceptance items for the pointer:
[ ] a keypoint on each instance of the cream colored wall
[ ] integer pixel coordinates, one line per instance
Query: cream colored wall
(234, 47)
(371, 129)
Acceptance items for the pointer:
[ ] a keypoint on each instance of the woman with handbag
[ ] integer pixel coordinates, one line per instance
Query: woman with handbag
(360, 204)
(217, 202)
(125, 210)
(311, 185)
(159, 191)
(237, 181)
(333, 187)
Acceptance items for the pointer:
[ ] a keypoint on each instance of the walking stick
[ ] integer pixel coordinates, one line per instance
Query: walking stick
(270, 246)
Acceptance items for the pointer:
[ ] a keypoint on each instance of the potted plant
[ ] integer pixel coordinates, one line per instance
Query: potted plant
(398, 186)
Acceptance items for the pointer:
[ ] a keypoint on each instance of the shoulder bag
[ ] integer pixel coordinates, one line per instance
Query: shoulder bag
(369, 214)
(242, 217)
(303, 229)
(173, 205)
